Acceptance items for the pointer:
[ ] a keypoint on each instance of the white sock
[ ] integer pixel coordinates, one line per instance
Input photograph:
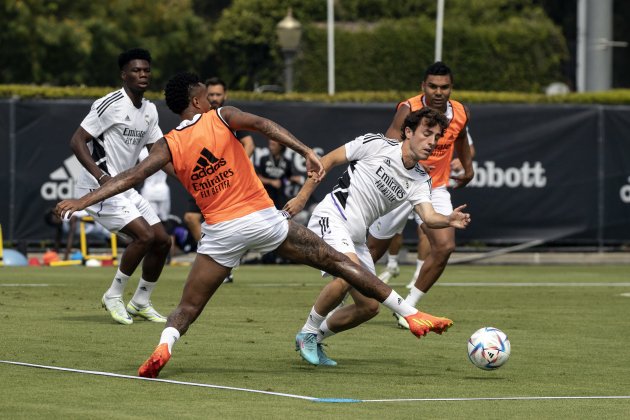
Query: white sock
(324, 332)
(313, 322)
(418, 267)
(392, 260)
(397, 304)
(414, 296)
(169, 336)
(142, 297)
(118, 285)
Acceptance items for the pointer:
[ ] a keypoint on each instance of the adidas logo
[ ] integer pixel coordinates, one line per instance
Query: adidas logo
(143, 288)
(62, 180)
(127, 118)
(388, 162)
(207, 164)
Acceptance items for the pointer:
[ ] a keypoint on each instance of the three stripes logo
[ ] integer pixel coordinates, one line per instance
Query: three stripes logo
(323, 224)
(207, 164)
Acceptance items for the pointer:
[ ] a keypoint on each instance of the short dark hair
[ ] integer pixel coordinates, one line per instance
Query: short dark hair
(213, 81)
(438, 69)
(432, 116)
(177, 91)
(133, 54)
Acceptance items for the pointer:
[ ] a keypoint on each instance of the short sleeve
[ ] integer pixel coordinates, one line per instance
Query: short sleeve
(362, 146)
(96, 124)
(421, 194)
(154, 133)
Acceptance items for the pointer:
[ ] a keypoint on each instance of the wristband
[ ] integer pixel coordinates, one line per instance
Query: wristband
(101, 177)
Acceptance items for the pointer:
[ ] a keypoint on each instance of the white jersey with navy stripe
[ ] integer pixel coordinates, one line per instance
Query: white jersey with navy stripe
(375, 183)
(120, 131)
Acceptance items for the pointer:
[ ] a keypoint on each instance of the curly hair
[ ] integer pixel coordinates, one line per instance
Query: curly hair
(432, 116)
(178, 89)
(133, 54)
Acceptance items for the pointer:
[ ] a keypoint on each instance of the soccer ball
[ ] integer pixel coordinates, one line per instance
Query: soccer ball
(488, 348)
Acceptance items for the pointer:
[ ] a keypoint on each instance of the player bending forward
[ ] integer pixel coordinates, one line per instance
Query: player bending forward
(383, 174)
(239, 215)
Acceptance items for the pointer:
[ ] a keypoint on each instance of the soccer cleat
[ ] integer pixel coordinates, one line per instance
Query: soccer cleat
(306, 344)
(116, 308)
(421, 323)
(389, 273)
(402, 322)
(147, 312)
(324, 360)
(154, 364)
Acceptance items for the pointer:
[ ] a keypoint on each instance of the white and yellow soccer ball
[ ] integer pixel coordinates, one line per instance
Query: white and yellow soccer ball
(489, 348)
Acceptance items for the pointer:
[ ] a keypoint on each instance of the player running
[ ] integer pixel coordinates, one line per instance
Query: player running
(383, 175)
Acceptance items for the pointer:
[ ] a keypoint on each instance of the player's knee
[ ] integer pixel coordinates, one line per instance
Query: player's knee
(369, 310)
(145, 238)
(444, 249)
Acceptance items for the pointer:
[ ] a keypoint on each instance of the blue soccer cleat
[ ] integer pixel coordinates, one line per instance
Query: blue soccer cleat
(306, 344)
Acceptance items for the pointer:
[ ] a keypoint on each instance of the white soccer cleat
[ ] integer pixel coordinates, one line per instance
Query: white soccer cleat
(116, 308)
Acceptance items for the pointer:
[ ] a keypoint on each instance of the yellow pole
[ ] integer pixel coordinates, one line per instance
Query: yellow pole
(82, 238)
(114, 249)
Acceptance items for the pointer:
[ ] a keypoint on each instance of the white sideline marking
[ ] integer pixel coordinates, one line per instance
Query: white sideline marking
(24, 285)
(587, 397)
(313, 399)
(116, 375)
(625, 294)
(467, 284)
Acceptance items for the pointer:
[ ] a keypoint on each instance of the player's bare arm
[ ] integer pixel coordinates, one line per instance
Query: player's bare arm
(238, 119)
(462, 149)
(78, 144)
(160, 155)
(329, 161)
(393, 132)
(168, 168)
(457, 219)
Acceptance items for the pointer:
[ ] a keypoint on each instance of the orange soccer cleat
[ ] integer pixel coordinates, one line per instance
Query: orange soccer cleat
(421, 323)
(154, 364)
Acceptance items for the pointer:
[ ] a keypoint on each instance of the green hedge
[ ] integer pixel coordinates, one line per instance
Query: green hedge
(616, 97)
(518, 54)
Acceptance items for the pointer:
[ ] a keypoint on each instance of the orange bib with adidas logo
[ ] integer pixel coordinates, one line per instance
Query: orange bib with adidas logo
(212, 165)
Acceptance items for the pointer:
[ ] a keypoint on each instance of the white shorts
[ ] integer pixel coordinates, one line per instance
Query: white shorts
(116, 212)
(162, 208)
(387, 226)
(332, 229)
(261, 231)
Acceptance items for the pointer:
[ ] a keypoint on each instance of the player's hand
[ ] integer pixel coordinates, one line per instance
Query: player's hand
(314, 168)
(104, 179)
(294, 206)
(458, 219)
(456, 165)
(461, 180)
(66, 208)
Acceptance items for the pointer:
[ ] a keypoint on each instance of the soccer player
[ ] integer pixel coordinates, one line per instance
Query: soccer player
(108, 141)
(424, 246)
(217, 95)
(239, 215)
(383, 175)
(436, 92)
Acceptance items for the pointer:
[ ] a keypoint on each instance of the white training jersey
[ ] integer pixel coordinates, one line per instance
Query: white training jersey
(155, 187)
(119, 131)
(376, 182)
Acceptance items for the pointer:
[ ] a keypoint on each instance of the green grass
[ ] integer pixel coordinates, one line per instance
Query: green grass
(566, 341)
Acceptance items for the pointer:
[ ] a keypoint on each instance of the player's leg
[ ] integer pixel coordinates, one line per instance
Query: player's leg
(392, 269)
(303, 246)
(205, 277)
(386, 233)
(424, 248)
(155, 254)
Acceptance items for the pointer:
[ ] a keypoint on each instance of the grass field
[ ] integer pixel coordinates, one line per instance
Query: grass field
(569, 327)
